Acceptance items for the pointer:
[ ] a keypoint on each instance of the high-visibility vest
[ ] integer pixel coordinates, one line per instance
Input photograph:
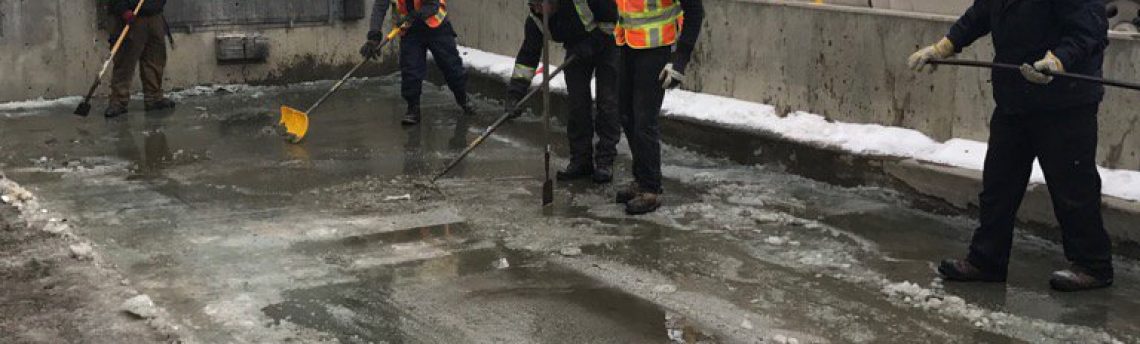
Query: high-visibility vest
(433, 21)
(644, 24)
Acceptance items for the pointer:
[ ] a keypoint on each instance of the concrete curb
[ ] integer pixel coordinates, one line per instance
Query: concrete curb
(937, 188)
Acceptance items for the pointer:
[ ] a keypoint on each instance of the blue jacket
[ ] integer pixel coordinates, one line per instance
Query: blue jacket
(1023, 31)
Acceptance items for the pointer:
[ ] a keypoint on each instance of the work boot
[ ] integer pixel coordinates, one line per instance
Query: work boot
(161, 104)
(574, 172)
(412, 117)
(628, 193)
(115, 110)
(962, 271)
(644, 203)
(469, 108)
(603, 174)
(1077, 278)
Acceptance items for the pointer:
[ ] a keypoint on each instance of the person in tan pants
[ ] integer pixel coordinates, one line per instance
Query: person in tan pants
(144, 49)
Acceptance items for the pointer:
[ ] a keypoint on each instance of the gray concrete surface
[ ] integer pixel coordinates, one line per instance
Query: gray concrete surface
(52, 48)
(241, 237)
(845, 63)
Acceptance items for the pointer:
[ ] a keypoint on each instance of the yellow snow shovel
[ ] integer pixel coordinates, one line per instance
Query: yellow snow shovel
(296, 123)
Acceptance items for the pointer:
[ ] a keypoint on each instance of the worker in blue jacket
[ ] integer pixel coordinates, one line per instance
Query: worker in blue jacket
(428, 30)
(1038, 117)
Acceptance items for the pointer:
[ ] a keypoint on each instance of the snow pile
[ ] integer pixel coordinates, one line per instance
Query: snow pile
(141, 306)
(23, 107)
(864, 139)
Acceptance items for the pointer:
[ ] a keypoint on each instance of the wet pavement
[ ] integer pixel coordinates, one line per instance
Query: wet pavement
(244, 238)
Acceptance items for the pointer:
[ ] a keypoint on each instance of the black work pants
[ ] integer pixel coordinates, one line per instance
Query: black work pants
(640, 96)
(1064, 141)
(413, 65)
(584, 123)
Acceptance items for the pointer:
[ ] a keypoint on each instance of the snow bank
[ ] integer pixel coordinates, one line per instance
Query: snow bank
(863, 139)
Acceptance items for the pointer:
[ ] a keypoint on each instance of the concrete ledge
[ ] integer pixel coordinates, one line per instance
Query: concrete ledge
(936, 188)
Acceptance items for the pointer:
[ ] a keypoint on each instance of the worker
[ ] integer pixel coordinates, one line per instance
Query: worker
(585, 29)
(145, 49)
(428, 30)
(1040, 117)
(655, 50)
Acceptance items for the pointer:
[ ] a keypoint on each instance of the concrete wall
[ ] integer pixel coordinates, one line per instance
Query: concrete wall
(52, 48)
(846, 63)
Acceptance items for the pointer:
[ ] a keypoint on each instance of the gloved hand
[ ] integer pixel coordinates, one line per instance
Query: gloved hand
(128, 17)
(919, 60)
(670, 77)
(1039, 72)
(370, 49)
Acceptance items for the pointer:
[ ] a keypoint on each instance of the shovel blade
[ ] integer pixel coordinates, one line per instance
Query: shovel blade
(83, 109)
(296, 124)
(547, 193)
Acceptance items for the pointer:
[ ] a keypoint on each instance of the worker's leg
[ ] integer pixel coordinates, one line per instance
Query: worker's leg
(153, 61)
(607, 123)
(1066, 146)
(580, 123)
(646, 107)
(446, 54)
(413, 68)
(126, 61)
(1009, 162)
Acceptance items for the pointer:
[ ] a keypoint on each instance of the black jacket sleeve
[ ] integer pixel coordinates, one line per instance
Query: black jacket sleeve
(1084, 27)
(605, 11)
(974, 24)
(526, 62)
(691, 30)
(379, 12)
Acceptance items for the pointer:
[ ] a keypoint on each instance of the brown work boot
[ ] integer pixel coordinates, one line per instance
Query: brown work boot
(644, 203)
(961, 270)
(115, 110)
(628, 193)
(1077, 278)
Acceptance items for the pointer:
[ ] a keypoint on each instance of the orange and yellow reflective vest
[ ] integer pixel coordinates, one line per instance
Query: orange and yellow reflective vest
(433, 22)
(644, 24)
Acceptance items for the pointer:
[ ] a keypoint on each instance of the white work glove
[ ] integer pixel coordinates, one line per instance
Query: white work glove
(1039, 72)
(670, 78)
(919, 61)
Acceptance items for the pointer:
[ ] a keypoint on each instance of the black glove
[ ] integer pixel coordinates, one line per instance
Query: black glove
(370, 49)
(515, 92)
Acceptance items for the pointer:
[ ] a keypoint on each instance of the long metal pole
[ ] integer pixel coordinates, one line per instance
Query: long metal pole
(1005, 66)
(548, 184)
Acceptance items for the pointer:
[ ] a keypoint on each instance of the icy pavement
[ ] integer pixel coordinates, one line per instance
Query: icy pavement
(240, 237)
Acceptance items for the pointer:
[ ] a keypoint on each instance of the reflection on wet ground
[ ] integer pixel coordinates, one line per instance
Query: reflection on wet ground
(245, 238)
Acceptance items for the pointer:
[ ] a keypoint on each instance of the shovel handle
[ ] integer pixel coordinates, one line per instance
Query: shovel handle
(1012, 67)
(498, 123)
(391, 35)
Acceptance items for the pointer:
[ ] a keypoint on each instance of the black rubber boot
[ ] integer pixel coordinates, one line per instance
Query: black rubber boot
(603, 174)
(627, 194)
(161, 104)
(575, 172)
(1077, 279)
(412, 117)
(115, 111)
(644, 203)
(962, 271)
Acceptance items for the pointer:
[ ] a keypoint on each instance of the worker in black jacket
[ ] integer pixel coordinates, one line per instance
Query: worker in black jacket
(144, 49)
(429, 30)
(657, 38)
(585, 29)
(1038, 117)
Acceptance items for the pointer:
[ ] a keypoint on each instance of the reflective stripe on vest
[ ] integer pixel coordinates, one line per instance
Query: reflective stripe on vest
(586, 15)
(433, 21)
(644, 24)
